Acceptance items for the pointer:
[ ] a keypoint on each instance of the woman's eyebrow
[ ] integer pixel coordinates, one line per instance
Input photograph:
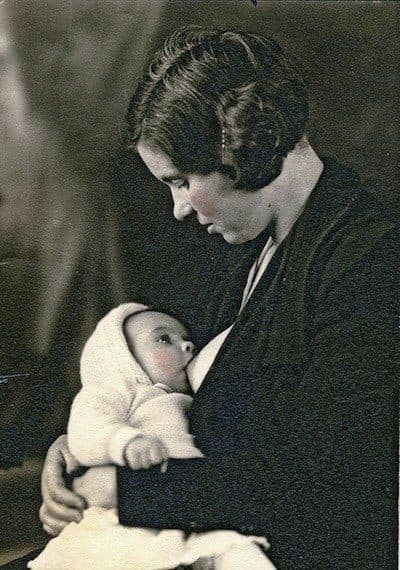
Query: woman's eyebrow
(171, 177)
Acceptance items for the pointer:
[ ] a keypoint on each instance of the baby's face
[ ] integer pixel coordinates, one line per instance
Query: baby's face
(162, 347)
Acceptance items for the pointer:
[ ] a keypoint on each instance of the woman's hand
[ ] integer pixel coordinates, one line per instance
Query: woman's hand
(60, 505)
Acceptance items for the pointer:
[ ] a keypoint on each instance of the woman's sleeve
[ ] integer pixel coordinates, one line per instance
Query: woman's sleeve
(193, 494)
(336, 448)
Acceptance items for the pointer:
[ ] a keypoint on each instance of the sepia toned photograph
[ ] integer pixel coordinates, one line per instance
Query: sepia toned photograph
(199, 277)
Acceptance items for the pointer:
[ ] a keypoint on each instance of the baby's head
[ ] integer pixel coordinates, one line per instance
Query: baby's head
(162, 347)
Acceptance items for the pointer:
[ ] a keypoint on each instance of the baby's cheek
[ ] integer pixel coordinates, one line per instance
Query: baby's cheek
(166, 361)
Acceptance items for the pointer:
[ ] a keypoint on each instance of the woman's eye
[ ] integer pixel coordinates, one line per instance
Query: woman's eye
(165, 339)
(179, 183)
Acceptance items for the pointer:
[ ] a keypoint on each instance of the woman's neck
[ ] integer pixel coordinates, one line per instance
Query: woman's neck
(287, 194)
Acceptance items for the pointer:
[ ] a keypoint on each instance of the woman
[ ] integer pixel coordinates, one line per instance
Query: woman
(294, 410)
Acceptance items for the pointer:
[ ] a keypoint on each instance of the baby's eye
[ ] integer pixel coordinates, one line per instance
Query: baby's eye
(165, 339)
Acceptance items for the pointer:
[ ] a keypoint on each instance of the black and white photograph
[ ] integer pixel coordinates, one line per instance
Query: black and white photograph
(199, 284)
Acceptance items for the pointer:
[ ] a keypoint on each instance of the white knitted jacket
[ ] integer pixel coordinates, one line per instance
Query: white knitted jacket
(118, 401)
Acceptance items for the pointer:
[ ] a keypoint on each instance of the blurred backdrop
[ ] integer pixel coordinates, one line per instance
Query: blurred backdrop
(85, 212)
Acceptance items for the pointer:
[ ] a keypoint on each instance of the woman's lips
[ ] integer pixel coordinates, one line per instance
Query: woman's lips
(212, 229)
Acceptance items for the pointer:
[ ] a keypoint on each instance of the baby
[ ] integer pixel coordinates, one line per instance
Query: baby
(131, 411)
(134, 399)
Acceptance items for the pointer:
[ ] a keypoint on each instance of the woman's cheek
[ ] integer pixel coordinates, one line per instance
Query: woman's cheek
(202, 204)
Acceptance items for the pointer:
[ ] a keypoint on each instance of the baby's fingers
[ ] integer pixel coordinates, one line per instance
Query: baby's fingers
(134, 461)
(158, 454)
(146, 458)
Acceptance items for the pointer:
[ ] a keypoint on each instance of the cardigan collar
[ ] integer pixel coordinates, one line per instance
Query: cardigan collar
(335, 190)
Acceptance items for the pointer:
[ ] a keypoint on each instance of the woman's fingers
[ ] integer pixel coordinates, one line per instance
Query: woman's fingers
(49, 530)
(49, 524)
(54, 488)
(53, 523)
(53, 527)
(63, 512)
(58, 493)
(60, 504)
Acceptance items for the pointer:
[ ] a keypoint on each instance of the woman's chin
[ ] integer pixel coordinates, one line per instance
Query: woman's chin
(235, 238)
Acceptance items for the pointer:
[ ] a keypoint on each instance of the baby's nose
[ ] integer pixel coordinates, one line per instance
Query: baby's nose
(188, 346)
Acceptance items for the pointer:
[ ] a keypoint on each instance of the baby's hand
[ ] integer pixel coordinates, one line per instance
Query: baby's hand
(145, 451)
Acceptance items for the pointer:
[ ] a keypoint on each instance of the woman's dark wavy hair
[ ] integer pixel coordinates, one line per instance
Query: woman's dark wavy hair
(221, 101)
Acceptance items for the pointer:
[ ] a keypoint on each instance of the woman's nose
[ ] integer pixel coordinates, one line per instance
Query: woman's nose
(182, 206)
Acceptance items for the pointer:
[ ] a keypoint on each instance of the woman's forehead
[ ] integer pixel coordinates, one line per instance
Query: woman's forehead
(159, 164)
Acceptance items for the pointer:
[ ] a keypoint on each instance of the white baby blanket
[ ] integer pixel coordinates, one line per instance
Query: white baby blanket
(99, 542)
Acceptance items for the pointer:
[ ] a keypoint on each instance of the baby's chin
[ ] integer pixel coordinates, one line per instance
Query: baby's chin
(179, 383)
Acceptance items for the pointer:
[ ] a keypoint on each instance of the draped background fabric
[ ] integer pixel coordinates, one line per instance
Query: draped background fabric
(72, 200)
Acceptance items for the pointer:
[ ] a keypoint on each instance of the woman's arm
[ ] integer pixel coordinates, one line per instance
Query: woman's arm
(60, 505)
(195, 494)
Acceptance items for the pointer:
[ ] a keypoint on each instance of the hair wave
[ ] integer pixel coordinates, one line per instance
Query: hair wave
(203, 83)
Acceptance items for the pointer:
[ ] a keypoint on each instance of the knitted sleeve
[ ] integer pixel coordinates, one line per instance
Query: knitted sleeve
(98, 429)
(112, 381)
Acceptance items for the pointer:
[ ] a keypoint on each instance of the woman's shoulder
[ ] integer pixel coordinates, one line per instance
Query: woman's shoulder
(343, 223)
(341, 209)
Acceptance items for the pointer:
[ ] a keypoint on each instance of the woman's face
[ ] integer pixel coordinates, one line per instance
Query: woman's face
(234, 214)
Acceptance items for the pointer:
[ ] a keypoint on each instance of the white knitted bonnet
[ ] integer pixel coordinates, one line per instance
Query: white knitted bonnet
(106, 354)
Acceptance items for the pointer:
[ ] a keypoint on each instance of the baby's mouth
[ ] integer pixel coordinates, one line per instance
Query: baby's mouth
(184, 369)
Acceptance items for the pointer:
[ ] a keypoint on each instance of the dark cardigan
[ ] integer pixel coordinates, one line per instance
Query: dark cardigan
(297, 415)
